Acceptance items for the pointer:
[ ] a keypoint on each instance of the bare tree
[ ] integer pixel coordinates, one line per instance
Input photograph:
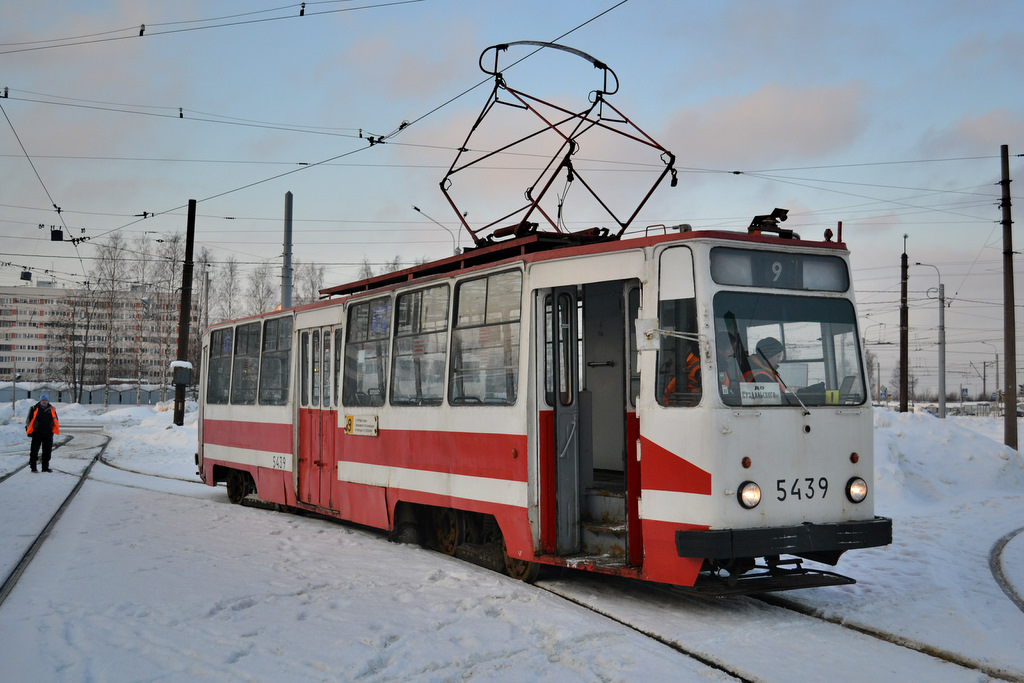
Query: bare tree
(71, 333)
(393, 266)
(143, 262)
(171, 256)
(201, 294)
(895, 381)
(365, 270)
(261, 294)
(226, 292)
(309, 280)
(112, 275)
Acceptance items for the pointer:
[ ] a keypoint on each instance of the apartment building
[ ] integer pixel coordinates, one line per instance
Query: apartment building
(43, 328)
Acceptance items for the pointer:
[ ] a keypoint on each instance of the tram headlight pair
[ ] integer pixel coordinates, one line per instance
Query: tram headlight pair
(749, 494)
(856, 490)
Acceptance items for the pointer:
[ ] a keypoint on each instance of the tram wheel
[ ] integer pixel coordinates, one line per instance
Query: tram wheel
(446, 530)
(237, 488)
(521, 570)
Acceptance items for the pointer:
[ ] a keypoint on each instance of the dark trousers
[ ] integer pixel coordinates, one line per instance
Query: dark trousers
(46, 441)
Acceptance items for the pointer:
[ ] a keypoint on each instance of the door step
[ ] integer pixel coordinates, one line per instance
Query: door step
(604, 539)
(604, 522)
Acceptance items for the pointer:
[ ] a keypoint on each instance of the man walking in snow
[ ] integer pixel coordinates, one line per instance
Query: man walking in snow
(41, 424)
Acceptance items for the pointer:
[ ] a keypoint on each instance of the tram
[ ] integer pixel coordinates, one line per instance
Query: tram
(544, 402)
(687, 407)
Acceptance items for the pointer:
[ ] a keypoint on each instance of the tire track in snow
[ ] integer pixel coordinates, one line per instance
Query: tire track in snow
(995, 564)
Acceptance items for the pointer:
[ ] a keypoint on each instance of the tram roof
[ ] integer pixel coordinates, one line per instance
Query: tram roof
(539, 243)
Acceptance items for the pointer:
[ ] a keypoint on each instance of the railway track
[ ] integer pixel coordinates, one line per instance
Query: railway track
(768, 638)
(54, 494)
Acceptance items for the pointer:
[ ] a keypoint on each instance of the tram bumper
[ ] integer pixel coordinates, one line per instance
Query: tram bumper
(817, 542)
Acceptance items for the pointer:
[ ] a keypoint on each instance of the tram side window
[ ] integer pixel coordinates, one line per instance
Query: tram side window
(679, 373)
(304, 370)
(245, 369)
(275, 363)
(566, 381)
(326, 369)
(337, 364)
(485, 342)
(315, 397)
(366, 353)
(417, 373)
(679, 380)
(218, 381)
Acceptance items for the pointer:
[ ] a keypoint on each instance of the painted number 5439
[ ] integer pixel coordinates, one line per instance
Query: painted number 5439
(804, 488)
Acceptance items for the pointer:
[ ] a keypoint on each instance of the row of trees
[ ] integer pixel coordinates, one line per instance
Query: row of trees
(913, 391)
(123, 325)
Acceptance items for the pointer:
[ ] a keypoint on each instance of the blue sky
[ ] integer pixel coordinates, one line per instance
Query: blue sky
(887, 116)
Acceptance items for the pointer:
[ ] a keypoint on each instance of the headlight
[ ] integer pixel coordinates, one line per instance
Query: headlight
(749, 494)
(856, 490)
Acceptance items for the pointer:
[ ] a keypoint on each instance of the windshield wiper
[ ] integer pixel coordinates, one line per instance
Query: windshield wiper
(782, 382)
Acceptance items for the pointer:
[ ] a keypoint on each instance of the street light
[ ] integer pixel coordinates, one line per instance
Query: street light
(14, 387)
(995, 351)
(942, 339)
(13, 336)
(865, 332)
(455, 248)
(878, 363)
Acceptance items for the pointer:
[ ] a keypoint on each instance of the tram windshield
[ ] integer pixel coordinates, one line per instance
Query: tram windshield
(787, 350)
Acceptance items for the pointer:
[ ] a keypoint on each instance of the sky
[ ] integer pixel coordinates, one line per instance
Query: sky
(161, 578)
(885, 116)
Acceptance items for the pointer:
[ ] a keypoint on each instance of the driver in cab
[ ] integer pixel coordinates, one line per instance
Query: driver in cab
(767, 356)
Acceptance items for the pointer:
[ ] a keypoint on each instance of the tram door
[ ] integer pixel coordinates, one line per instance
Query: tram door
(565, 399)
(318, 414)
(586, 379)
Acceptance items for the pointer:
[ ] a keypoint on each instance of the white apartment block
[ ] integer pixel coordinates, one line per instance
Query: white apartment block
(40, 323)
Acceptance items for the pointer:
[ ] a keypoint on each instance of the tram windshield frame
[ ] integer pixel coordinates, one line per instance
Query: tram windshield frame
(820, 362)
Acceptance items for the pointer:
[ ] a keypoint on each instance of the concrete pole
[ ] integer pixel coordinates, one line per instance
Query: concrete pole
(942, 350)
(286, 270)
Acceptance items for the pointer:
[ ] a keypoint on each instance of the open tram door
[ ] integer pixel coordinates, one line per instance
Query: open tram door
(585, 421)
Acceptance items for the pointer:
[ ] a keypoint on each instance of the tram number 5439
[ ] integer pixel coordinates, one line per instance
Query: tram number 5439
(805, 488)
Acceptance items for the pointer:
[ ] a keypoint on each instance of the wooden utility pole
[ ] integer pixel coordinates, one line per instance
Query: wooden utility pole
(1009, 318)
(904, 329)
(180, 377)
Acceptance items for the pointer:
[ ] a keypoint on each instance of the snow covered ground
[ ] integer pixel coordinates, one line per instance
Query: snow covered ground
(161, 579)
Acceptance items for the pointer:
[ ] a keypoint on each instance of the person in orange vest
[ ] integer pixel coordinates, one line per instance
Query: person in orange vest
(41, 424)
(692, 381)
(764, 361)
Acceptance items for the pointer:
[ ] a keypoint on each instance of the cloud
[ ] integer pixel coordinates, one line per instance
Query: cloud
(981, 133)
(776, 123)
(403, 64)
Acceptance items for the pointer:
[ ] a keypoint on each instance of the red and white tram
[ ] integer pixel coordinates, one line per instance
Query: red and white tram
(551, 400)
